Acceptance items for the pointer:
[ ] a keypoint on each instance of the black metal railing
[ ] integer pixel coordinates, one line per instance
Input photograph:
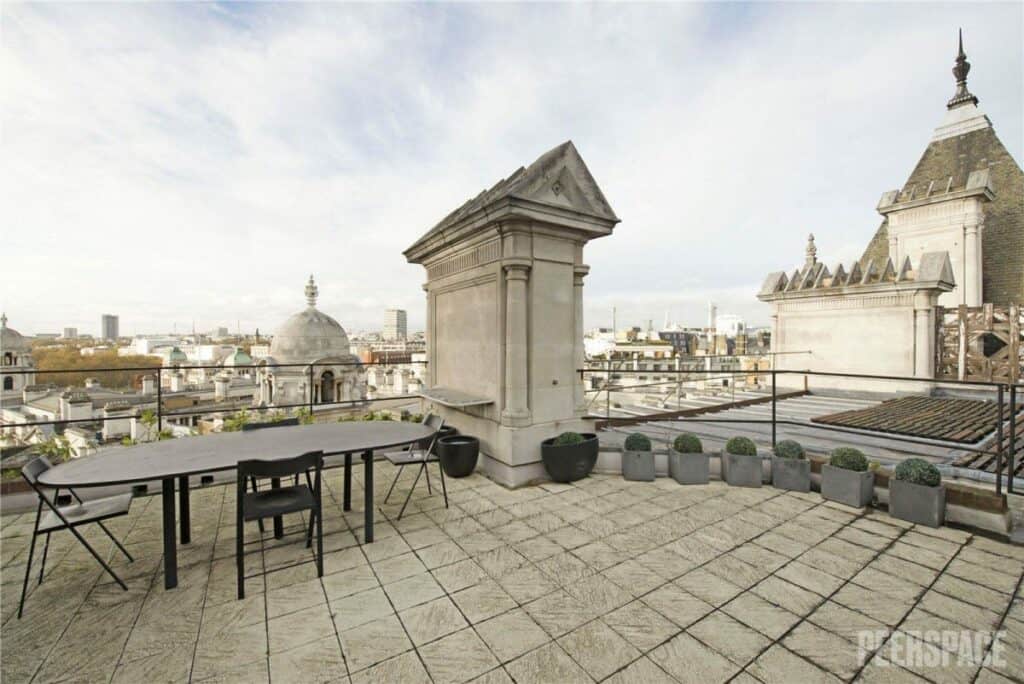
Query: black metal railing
(309, 403)
(1006, 404)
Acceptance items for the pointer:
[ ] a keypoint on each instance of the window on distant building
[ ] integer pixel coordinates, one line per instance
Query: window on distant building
(8, 383)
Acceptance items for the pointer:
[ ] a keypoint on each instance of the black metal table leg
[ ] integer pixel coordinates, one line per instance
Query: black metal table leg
(275, 483)
(347, 497)
(170, 534)
(184, 514)
(368, 496)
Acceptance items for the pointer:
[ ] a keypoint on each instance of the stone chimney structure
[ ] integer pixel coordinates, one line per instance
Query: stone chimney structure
(505, 310)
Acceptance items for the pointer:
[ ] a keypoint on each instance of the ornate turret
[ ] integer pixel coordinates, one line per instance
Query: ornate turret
(960, 71)
(811, 253)
(311, 291)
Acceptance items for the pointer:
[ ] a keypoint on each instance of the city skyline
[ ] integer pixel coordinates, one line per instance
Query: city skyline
(174, 150)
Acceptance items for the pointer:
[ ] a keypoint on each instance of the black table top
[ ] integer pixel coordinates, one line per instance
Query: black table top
(222, 451)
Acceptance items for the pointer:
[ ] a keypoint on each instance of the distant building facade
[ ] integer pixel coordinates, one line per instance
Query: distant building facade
(70, 334)
(395, 325)
(109, 327)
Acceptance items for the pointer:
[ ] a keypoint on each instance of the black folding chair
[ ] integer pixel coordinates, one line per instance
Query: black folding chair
(279, 501)
(415, 455)
(69, 518)
(250, 427)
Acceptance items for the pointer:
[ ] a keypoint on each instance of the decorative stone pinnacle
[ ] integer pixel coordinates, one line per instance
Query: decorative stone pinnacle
(311, 291)
(960, 71)
(812, 251)
(3, 320)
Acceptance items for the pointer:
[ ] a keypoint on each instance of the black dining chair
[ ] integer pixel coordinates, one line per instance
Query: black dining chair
(69, 517)
(250, 427)
(279, 501)
(415, 454)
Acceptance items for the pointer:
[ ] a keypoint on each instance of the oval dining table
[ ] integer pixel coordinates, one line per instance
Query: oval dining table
(179, 459)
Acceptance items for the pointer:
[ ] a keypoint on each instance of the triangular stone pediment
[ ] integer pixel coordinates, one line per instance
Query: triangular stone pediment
(561, 177)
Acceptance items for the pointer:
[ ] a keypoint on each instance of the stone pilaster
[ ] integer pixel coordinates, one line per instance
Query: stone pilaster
(972, 261)
(579, 273)
(516, 411)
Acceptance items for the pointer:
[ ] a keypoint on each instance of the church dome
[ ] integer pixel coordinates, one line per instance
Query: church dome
(177, 356)
(11, 339)
(309, 335)
(239, 358)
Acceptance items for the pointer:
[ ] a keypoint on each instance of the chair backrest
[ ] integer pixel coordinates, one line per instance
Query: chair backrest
(249, 427)
(311, 460)
(435, 423)
(34, 468)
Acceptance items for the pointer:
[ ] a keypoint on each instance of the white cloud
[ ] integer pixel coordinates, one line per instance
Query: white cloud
(180, 162)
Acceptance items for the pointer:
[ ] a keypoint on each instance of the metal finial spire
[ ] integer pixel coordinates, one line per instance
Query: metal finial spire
(311, 291)
(812, 251)
(3, 320)
(960, 71)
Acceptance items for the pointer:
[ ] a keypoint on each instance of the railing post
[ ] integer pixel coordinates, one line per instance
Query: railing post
(773, 406)
(608, 390)
(999, 442)
(1013, 439)
(159, 402)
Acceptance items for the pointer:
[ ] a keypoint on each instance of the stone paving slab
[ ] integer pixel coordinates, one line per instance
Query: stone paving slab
(601, 580)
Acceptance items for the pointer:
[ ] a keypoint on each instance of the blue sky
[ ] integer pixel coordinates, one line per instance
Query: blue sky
(181, 162)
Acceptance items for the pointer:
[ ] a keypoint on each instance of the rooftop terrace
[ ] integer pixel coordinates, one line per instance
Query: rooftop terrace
(603, 580)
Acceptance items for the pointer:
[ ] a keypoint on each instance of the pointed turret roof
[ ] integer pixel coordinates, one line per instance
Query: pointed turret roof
(964, 143)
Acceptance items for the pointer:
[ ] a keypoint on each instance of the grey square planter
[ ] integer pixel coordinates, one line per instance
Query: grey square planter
(793, 474)
(741, 471)
(638, 465)
(847, 486)
(916, 503)
(688, 468)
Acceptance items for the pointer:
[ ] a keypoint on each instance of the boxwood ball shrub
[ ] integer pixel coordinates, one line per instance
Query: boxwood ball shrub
(849, 458)
(638, 442)
(568, 439)
(789, 448)
(741, 446)
(918, 471)
(687, 443)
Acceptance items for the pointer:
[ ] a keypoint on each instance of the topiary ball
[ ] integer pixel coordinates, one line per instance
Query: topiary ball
(568, 439)
(918, 471)
(638, 442)
(687, 443)
(741, 446)
(789, 448)
(848, 458)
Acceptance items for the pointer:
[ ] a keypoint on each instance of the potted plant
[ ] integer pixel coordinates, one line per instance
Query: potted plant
(916, 493)
(790, 468)
(458, 454)
(687, 462)
(570, 456)
(637, 458)
(846, 478)
(741, 464)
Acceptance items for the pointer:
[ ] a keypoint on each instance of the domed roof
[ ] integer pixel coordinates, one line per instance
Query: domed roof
(309, 335)
(177, 356)
(239, 358)
(11, 339)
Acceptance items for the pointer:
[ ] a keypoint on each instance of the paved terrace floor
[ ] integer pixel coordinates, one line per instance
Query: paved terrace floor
(604, 580)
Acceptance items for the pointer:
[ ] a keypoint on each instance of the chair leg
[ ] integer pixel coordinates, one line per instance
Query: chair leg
(426, 471)
(394, 482)
(443, 487)
(255, 488)
(240, 549)
(116, 542)
(97, 557)
(42, 564)
(28, 565)
(411, 490)
(319, 539)
(309, 530)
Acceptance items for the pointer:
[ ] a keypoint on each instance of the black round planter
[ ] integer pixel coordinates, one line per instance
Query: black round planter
(445, 431)
(569, 462)
(458, 454)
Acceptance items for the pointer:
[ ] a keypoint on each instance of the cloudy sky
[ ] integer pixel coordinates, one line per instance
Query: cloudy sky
(183, 162)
